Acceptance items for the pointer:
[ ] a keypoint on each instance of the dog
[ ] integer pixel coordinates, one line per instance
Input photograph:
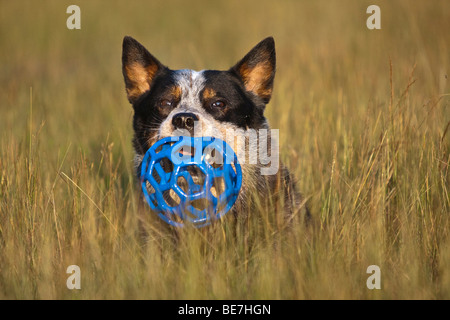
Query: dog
(167, 101)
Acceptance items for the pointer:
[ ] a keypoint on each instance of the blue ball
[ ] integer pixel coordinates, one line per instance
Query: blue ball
(191, 180)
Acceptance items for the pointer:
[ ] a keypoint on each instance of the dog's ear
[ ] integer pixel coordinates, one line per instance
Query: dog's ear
(257, 69)
(139, 68)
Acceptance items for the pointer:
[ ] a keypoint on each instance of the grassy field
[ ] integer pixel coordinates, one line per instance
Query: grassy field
(364, 125)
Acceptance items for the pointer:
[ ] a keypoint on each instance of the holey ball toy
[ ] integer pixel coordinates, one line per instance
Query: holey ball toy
(191, 180)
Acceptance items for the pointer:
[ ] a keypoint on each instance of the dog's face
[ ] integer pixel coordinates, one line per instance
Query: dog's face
(202, 103)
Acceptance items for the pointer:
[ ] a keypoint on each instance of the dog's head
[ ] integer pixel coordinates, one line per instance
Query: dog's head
(202, 103)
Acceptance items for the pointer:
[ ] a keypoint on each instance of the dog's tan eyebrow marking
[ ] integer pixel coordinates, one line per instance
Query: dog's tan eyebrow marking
(209, 93)
(175, 92)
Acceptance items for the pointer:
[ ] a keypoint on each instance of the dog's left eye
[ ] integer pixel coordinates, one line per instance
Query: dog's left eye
(165, 103)
(218, 104)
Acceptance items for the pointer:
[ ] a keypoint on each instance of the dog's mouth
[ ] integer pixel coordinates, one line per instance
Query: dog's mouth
(187, 151)
(192, 178)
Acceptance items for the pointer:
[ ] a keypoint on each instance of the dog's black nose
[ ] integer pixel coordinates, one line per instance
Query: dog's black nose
(184, 120)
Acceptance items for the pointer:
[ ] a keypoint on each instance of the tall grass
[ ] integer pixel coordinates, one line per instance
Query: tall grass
(364, 119)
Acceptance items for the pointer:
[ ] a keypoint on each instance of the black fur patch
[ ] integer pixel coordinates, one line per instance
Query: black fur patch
(241, 108)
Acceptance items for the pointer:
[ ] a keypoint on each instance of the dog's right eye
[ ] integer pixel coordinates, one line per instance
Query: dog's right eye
(166, 103)
(219, 104)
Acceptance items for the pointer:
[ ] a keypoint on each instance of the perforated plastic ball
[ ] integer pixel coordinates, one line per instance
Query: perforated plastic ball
(191, 180)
